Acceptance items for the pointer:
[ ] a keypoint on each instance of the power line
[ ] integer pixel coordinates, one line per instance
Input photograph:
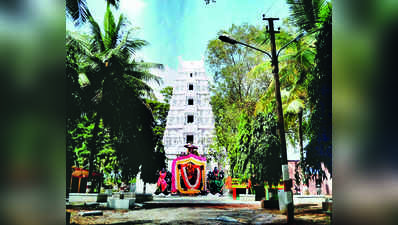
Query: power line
(266, 13)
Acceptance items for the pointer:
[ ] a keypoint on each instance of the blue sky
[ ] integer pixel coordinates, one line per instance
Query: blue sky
(183, 27)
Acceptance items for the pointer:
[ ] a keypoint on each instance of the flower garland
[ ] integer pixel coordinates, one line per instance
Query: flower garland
(176, 173)
(185, 177)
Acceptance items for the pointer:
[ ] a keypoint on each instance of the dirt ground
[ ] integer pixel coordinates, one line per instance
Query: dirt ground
(304, 214)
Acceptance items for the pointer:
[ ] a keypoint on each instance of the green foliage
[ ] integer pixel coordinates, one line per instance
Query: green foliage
(105, 161)
(79, 12)
(305, 94)
(237, 86)
(133, 180)
(309, 14)
(315, 16)
(319, 148)
(113, 95)
(232, 63)
(167, 92)
(257, 150)
(156, 160)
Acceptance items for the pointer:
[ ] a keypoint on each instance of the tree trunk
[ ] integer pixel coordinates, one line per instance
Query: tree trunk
(144, 188)
(93, 150)
(300, 118)
(101, 180)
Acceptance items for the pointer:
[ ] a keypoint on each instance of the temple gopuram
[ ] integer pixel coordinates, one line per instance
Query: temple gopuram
(190, 118)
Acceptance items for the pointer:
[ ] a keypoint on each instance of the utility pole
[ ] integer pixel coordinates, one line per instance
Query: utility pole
(285, 171)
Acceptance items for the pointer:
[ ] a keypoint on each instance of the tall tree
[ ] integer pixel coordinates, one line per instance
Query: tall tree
(157, 161)
(115, 90)
(319, 149)
(257, 150)
(234, 90)
(231, 63)
(315, 16)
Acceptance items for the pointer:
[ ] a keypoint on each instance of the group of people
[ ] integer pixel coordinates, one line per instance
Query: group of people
(215, 181)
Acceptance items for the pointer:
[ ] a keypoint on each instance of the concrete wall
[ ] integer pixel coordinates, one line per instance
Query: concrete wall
(139, 188)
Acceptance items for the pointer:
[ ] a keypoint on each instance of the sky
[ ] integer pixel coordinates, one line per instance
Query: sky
(184, 27)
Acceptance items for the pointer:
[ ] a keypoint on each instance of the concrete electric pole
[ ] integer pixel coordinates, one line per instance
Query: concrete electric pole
(285, 169)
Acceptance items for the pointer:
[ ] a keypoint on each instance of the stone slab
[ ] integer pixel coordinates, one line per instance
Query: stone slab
(247, 197)
(195, 201)
(115, 203)
(308, 199)
(87, 197)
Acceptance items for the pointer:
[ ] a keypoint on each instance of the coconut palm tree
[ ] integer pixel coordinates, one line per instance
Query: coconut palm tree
(79, 11)
(315, 16)
(309, 15)
(115, 88)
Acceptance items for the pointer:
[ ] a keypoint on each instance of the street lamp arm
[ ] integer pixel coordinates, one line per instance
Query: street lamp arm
(294, 40)
(233, 42)
(252, 47)
(284, 46)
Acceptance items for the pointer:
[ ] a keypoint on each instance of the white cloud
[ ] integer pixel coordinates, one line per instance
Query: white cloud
(168, 76)
(132, 8)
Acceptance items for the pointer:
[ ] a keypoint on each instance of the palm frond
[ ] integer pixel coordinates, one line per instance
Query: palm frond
(97, 43)
(142, 75)
(115, 3)
(128, 46)
(78, 10)
(109, 28)
(139, 86)
(122, 22)
(266, 99)
(81, 41)
(147, 65)
(132, 45)
(306, 14)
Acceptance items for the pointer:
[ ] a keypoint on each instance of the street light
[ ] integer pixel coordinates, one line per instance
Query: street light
(274, 60)
(227, 39)
(231, 41)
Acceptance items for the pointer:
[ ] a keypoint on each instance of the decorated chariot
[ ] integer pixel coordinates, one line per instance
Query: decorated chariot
(188, 175)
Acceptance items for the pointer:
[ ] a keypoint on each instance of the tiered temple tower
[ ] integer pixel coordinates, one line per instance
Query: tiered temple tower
(190, 118)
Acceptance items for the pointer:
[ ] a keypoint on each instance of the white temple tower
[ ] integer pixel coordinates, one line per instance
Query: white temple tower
(190, 118)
